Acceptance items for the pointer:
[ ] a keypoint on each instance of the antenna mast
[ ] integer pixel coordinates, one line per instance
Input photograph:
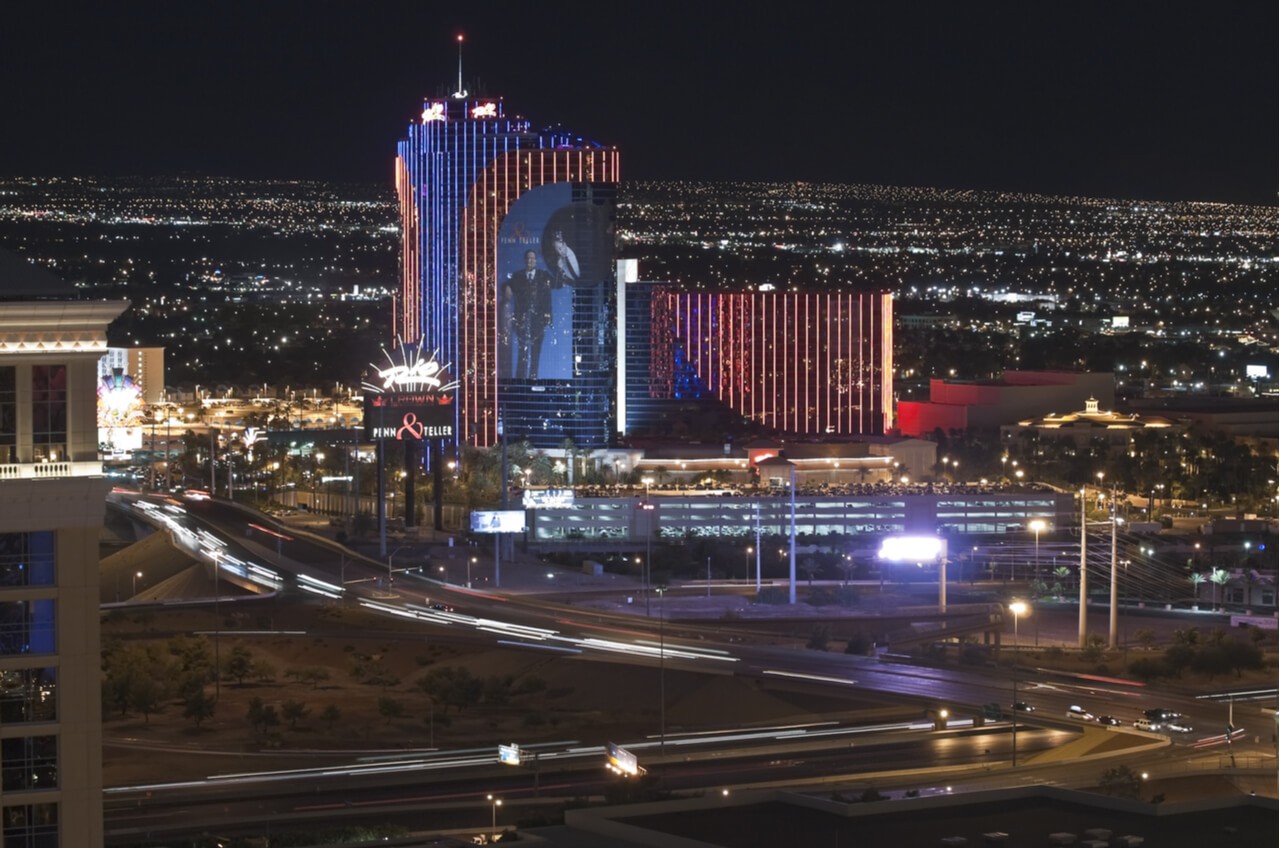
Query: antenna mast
(460, 93)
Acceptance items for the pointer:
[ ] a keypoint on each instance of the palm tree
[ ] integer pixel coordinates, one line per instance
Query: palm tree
(1219, 577)
(1196, 579)
(1062, 573)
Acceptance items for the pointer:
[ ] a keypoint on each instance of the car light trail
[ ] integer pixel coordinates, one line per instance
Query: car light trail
(799, 675)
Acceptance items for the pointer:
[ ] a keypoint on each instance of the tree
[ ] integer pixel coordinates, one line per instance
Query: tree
(239, 665)
(262, 716)
(390, 708)
(1145, 637)
(1211, 660)
(497, 689)
(1147, 669)
(199, 707)
(291, 711)
(1242, 656)
(1120, 782)
(331, 715)
(452, 686)
(1178, 657)
(147, 695)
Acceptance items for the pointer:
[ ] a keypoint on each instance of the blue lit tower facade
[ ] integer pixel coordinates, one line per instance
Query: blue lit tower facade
(507, 270)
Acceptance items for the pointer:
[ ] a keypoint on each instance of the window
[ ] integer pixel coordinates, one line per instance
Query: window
(29, 826)
(8, 414)
(26, 627)
(28, 762)
(26, 559)
(28, 694)
(49, 411)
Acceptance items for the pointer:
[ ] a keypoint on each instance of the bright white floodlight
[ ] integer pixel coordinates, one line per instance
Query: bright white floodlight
(912, 549)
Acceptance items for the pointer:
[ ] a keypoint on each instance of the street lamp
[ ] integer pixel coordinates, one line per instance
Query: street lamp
(136, 577)
(1018, 608)
(746, 563)
(470, 563)
(494, 804)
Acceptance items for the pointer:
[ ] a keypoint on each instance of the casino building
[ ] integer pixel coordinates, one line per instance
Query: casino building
(510, 283)
(508, 270)
(52, 491)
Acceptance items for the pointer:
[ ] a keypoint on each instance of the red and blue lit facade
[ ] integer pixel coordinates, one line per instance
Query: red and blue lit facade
(459, 171)
(808, 363)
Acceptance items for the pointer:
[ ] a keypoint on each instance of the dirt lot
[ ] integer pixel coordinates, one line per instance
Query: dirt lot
(366, 661)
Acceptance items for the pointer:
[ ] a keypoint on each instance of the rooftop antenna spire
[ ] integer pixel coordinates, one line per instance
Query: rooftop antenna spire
(461, 92)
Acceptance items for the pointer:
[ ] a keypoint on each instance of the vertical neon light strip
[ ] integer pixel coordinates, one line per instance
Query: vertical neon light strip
(886, 360)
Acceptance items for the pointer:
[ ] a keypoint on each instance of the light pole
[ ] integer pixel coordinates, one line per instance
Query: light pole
(746, 563)
(1035, 526)
(136, 576)
(1017, 608)
(494, 804)
(470, 562)
(662, 674)
(647, 506)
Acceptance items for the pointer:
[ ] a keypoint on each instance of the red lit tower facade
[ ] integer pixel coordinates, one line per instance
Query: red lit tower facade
(808, 363)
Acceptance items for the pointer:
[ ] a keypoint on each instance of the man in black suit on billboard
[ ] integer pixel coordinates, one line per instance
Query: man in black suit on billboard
(528, 292)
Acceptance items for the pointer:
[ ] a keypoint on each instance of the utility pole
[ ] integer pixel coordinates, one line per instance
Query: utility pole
(1114, 628)
(1084, 592)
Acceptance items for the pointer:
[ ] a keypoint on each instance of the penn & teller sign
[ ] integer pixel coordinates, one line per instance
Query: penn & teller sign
(409, 398)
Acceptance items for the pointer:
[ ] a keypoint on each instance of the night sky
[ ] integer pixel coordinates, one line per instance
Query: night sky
(1147, 100)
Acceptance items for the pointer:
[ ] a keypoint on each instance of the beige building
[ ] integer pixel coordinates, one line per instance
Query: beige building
(1092, 422)
(52, 495)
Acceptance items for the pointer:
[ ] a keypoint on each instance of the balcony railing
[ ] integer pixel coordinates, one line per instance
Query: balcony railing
(49, 470)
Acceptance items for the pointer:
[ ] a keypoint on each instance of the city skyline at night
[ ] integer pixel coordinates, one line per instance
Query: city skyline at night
(1167, 103)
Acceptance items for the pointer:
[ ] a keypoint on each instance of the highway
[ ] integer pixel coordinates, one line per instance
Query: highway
(276, 559)
(452, 783)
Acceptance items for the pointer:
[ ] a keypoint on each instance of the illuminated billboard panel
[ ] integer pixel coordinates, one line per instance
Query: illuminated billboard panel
(498, 521)
(550, 245)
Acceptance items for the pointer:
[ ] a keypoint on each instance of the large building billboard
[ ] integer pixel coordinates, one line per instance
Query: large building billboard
(549, 247)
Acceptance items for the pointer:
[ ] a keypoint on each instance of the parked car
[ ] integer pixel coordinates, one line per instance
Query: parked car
(1079, 713)
(1109, 721)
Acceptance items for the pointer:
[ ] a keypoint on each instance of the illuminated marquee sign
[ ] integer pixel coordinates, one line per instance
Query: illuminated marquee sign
(548, 498)
(412, 398)
(485, 110)
(433, 112)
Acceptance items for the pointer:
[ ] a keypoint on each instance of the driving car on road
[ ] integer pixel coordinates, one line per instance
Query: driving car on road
(1079, 713)
(1023, 707)
(1109, 721)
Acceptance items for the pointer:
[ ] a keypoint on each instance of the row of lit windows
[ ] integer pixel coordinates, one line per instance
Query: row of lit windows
(28, 694)
(48, 412)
